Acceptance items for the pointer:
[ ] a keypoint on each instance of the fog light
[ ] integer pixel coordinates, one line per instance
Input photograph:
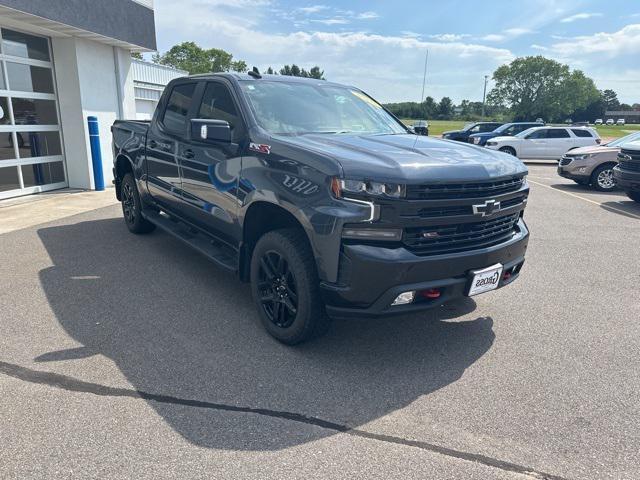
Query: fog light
(404, 298)
(373, 233)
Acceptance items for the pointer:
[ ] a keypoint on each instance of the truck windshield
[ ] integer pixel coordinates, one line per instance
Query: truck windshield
(297, 108)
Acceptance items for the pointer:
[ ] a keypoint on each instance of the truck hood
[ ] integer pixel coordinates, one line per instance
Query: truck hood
(453, 131)
(410, 158)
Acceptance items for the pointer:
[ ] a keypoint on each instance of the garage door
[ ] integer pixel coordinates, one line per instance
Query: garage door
(31, 155)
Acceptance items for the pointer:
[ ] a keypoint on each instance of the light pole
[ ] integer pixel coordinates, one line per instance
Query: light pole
(484, 93)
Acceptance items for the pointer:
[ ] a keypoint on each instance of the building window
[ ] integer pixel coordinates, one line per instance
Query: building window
(31, 153)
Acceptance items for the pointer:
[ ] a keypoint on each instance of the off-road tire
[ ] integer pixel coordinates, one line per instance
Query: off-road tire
(132, 207)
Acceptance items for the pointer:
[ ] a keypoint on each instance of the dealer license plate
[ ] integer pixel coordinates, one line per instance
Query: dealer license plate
(485, 280)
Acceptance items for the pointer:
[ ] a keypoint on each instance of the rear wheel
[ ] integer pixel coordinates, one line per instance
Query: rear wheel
(509, 150)
(285, 287)
(602, 178)
(635, 196)
(132, 207)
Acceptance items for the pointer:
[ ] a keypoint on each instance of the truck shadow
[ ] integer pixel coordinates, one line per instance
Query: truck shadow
(177, 326)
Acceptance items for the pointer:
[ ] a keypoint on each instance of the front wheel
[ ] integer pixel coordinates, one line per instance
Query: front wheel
(285, 287)
(602, 178)
(509, 150)
(635, 196)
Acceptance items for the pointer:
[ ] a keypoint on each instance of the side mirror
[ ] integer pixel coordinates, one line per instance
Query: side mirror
(206, 130)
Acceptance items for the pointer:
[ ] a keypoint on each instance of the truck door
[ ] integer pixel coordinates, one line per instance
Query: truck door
(210, 170)
(167, 131)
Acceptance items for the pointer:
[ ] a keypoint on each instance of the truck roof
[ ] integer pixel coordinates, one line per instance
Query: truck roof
(264, 76)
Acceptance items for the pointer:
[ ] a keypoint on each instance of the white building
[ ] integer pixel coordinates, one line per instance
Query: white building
(60, 62)
(149, 80)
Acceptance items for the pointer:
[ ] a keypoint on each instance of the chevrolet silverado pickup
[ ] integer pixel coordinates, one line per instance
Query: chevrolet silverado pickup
(627, 172)
(320, 198)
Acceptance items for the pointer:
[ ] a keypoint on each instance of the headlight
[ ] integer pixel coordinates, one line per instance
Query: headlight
(341, 188)
(491, 144)
(583, 157)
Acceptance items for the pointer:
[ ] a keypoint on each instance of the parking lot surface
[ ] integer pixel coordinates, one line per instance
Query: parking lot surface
(128, 356)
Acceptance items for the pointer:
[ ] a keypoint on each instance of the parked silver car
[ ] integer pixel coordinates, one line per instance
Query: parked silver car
(593, 165)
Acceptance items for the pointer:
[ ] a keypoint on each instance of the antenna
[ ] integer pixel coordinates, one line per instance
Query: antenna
(255, 73)
(424, 81)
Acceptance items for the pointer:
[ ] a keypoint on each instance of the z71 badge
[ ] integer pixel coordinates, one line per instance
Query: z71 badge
(260, 148)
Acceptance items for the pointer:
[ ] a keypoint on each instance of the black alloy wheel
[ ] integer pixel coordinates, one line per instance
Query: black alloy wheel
(277, 288)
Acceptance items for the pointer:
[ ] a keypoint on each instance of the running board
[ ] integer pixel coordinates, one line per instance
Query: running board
(215, 251)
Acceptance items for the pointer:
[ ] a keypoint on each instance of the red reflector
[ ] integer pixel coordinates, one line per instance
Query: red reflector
(431, 293)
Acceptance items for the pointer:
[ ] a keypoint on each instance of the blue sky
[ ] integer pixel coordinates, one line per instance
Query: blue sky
(380, 45)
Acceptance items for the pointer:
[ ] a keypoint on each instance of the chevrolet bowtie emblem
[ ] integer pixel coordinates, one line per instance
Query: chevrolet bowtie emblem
(487, 208)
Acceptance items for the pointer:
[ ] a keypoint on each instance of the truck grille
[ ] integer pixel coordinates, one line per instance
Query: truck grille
(441, 239)
(463, 190)
(629, 160)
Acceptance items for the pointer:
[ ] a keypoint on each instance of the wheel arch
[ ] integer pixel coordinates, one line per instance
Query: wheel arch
(259, 218)
(122, 166)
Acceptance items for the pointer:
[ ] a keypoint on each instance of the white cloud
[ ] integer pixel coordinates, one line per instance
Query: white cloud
(332, 21)
(493, 37)
(367, 16)
(389, 67)
(580, 16)
(624, 41)
(312, 9)
(535, 46)
(449, 37)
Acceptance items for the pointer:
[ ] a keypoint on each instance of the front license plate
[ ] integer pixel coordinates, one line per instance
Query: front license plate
(485, 280)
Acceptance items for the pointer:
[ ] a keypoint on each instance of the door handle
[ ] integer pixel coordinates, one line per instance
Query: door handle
(188, 153)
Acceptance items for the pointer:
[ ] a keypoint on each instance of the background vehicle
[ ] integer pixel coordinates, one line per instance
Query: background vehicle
(620, 121)
(627, 172)
(539, 120)
(469, 129)
(545, 142)
(568, 121)
(598, 121)
(320, 199)
(508, 129)
(594, 165)
(610, 121)
(421, 127)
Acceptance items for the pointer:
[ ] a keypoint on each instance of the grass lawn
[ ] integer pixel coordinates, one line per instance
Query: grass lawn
(436, 127)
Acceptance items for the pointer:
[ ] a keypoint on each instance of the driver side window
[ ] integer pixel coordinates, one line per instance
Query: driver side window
(538, 134)
(217, 104)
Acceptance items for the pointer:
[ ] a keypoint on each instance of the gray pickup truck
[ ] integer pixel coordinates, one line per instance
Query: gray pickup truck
(321, 198)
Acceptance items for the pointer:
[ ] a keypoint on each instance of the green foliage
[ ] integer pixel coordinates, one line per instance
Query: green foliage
(295, 71)
(137, 55)
(535, 87)
(194, 59)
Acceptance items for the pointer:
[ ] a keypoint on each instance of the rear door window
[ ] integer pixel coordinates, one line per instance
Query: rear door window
(175, 115)
(557, 133)
(539, 134)
(581, 133)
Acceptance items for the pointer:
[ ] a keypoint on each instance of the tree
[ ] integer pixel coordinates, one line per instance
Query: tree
(445, 107)
(136, 55)
(271, 71)
(535, 87)
(610, 99)
(194, 59)
(294, 70)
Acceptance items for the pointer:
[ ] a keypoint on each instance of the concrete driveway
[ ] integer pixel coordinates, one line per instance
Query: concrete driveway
(128, 356)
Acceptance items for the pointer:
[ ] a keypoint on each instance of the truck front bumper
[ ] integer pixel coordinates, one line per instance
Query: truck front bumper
(627, 180)
(371, 277)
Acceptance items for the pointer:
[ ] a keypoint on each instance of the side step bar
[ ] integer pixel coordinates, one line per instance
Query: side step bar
(217, 252)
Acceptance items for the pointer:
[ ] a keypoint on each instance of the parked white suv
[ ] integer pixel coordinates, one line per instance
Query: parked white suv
(545, 142)
(620, 121)
(610, 121)
(598, 121)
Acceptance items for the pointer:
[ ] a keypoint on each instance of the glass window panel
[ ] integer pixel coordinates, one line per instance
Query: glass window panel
(6, 146)
(4, 111)
(42, 174)
(38, 144)
(175, 115)
(27, 78)
(9, 179)
(22, 45)
(30, 111)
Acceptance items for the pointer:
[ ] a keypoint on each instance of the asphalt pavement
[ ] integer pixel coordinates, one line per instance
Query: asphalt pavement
(126, 356)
